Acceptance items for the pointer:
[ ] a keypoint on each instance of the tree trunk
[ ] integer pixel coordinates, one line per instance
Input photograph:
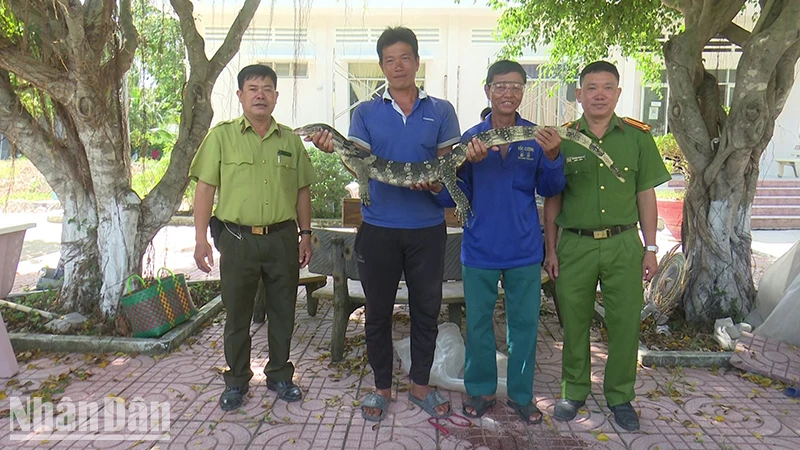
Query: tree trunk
(723, 151)
(717, 245)
(82, 144)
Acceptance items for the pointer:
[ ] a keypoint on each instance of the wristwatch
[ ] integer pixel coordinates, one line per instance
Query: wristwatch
(651, 248)
(302, 232)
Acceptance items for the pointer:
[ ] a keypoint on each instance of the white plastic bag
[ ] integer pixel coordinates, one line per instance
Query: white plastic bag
(447, 370)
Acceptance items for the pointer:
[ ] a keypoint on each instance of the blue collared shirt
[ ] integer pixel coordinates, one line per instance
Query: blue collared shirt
(381, 126)
(504, 231)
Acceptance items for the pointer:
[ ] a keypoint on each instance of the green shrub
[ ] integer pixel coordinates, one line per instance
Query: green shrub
(327, 193)
(672, 154)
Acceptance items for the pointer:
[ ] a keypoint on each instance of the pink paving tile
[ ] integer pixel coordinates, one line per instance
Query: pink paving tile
(212, 434)
(291, 436)
(303, 436)
(391, 437)
(681, 441)
(764, 356)
(258, 403)
(329, 406)
(186, 369)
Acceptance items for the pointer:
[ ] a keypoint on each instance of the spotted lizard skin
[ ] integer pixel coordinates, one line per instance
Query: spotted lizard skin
(443, 168)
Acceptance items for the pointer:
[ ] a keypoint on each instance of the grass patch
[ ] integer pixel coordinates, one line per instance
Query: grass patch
(96, 325)
(21, 180)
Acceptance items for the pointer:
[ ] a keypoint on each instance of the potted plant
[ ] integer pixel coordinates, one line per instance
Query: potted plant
(670, 209)
(670, 201)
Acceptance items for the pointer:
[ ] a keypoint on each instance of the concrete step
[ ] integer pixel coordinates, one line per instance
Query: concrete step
(778, 192)
(792, 182)
(775, 222)
(776, 210)
(776, 200)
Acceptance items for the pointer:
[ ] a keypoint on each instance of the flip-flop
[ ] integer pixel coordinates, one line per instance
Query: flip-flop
(792, 392)
(377, 401)
(525, 411)
(479, 405)
(430, 402)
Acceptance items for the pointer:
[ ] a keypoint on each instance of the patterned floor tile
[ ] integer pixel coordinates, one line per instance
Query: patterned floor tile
(212, 434)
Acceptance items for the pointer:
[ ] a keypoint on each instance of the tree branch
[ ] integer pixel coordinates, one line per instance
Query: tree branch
(681, 58)
(195, 117)
(767, 16)
(26, 133)
(76, 38)
(123, 60)
(785, 76)
(735, 34)
(97, 24)
(233, 39)
(713, 18)
(55, 82)
(756, 103)
(191, 37)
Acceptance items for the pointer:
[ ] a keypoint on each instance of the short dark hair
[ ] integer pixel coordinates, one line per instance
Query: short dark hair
(600, 66)
(393, 35)
(257, 71)
(485, 112)
(505, 66)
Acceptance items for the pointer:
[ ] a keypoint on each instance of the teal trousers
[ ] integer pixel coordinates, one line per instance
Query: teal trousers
(616, 263)
(522, 301)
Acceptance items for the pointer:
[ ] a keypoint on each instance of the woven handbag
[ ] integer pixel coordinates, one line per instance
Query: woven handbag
(159, 306)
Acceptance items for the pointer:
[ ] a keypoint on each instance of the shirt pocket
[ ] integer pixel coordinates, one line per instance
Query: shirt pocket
(578, 171)
(238, 166)
(429, 135)
(524, 176)
(286, 169)
(628, 166)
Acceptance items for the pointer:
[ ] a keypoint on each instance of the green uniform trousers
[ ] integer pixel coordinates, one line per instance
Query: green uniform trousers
(523, 289)
(617, 263)
(273, 258)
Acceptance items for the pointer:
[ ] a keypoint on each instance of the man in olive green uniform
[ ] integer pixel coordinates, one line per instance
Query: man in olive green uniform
(598, 215)
(262, 172)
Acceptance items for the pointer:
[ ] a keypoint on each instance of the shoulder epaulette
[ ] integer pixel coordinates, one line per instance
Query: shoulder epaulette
(637, 124)
(224, 122)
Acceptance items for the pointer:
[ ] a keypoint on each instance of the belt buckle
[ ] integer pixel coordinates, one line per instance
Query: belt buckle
(259, 230)
(601, 234)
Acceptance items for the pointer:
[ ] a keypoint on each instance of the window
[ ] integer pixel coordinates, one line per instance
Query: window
(655, 102)
(547, 101)
(726, 80)
(288, 69)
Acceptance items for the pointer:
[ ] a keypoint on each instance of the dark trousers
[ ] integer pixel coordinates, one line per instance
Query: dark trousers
(273, 259)
(384, 254)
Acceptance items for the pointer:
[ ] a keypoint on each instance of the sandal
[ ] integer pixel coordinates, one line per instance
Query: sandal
(430, 402)
(377, 401)
(479, 404)
(525, 411)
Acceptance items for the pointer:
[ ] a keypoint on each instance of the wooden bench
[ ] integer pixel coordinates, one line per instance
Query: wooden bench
(311, 281)
(787, 162)
(348, 295)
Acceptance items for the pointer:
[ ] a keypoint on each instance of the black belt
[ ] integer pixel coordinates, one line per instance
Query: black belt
(266, 229)
(602, 233)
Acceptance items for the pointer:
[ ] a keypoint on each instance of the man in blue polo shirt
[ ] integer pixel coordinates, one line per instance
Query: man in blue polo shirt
(403, 230)
(504, 237)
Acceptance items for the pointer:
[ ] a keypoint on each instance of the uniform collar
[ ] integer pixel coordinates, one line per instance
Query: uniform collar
(616, 122)
(387, 97)
(487, 122)
(244, 124)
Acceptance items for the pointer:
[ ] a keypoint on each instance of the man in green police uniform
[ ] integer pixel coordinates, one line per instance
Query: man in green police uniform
(598, 215)
(263, 173)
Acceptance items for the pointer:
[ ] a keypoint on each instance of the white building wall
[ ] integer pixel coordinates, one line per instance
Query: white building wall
(455, 66)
